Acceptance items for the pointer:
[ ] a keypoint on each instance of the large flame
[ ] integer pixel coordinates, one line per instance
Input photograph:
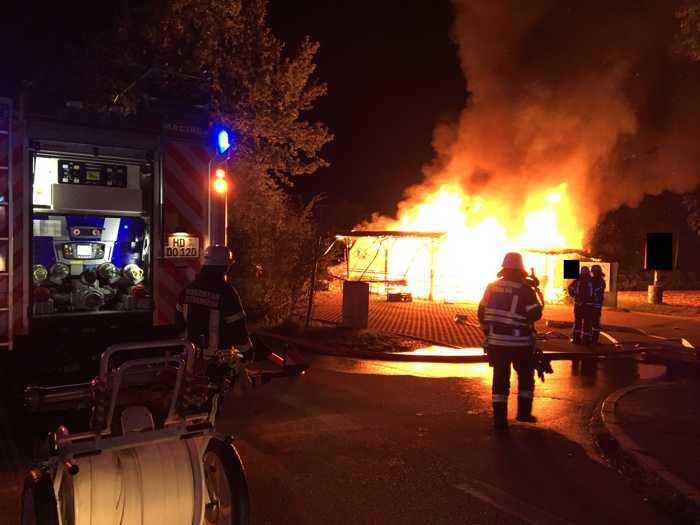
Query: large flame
(477, 233)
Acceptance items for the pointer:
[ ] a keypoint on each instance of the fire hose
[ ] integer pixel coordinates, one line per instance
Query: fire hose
(542, 364)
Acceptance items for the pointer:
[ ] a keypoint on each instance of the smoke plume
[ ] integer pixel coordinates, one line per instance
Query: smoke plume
(587, 93)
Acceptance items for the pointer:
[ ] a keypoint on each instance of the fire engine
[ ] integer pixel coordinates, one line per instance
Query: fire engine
(102, 220)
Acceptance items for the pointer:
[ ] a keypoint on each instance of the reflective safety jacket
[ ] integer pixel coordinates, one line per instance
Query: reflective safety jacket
(598, 292)
(210, 311)
(507, 312)
(582, 291)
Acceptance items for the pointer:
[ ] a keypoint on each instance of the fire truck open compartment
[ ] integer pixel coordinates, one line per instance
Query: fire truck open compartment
(90, 226)
(90, 236)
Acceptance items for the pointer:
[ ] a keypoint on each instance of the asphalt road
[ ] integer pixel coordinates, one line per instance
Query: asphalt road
(378, 442)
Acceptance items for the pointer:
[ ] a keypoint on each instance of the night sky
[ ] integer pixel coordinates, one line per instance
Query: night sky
(392, 73)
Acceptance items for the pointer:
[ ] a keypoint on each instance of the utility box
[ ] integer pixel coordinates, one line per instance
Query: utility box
(355, 304)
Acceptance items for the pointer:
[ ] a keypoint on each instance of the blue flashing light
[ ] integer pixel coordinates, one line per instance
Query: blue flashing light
(223, 141)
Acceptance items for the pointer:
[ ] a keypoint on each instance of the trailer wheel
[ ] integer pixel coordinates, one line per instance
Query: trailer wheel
(226, 499)
(38, 500)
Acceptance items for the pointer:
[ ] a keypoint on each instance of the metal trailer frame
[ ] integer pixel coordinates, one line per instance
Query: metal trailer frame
(194, 430)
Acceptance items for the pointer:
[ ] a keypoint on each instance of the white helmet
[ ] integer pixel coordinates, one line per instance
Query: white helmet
(217, 255)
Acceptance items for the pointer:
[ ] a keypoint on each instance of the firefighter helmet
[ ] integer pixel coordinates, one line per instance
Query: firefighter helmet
(585, 270)
(217, 255)
(597, 270)
(513, 261)
(39, 273)
(133, 273)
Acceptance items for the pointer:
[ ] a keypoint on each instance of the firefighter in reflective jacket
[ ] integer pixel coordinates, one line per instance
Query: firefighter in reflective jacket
(582, 292)
(596, 308)
(210, 311)
(507, 313)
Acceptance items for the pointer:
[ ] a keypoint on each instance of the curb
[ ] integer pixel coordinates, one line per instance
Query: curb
(378, 356)
(640, 454)
(682, 341)
(386, 356)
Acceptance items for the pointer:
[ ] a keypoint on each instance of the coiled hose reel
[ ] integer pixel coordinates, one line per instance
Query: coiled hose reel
(146, 467)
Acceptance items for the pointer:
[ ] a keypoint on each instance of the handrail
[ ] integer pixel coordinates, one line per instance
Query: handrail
(36, 396)
(113, 349)
(119, 374)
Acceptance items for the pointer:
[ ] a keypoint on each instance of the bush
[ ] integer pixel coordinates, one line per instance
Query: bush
(676, 280)
(272, 238)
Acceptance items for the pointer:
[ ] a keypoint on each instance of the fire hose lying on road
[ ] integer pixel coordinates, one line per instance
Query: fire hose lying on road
(151, 454)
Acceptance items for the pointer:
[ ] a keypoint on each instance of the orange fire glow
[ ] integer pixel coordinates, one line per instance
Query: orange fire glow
(477, 233)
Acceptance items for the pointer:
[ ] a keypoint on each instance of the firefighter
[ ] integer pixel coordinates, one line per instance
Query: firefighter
(210, 310)
(507, 313)
(582, 292)
(598, 281)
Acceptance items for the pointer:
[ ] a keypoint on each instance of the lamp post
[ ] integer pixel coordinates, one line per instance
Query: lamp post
(217, 217)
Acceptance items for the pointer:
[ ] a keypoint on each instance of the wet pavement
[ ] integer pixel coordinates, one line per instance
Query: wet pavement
(389, 442)
(411, 442)
(661, 422)
(395, 442)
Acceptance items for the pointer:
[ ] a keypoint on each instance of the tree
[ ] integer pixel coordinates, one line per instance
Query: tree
(262, 94)
(255, 88)
(690, 202)
(688, 39)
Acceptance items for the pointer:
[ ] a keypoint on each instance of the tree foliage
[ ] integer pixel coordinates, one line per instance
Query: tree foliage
(691, 203)
(255, 87)
(688, 39)
(620, 236)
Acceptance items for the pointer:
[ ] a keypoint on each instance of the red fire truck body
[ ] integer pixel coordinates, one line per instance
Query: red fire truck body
(102, 220)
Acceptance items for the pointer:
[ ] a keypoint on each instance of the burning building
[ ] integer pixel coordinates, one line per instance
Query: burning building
(404, 265)
(450, 245)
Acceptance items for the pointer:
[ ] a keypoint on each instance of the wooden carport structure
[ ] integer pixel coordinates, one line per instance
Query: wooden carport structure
(382, 242)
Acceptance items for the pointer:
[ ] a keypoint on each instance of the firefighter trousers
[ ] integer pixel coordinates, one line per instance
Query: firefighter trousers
(582, 323)
(522, 359)
(595, 322)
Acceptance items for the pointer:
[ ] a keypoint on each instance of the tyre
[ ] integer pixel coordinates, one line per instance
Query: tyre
(226, 498)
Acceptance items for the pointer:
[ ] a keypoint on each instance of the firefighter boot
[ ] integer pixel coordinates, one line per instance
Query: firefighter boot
(525, 410)
(500, 416)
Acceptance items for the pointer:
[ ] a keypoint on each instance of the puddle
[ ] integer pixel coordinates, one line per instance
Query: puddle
(445, 351)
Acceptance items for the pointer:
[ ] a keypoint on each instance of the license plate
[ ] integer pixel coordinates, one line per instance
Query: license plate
(182, 246)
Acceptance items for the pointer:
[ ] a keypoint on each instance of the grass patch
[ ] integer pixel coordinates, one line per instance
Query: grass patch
(665, 309)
